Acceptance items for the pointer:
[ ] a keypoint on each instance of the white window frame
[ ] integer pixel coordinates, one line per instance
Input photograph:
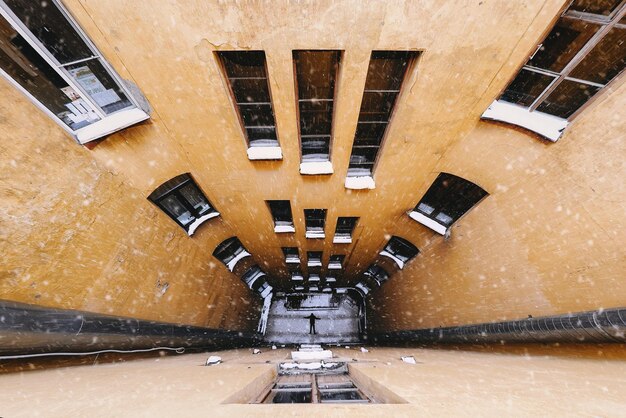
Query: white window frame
(107, 124)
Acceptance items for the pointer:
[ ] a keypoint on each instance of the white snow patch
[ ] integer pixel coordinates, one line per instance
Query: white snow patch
(316, 167)
(199, 221)
(359, 183)
(213, 360)
(232, 263)
(409, 359)
(265, 153)
(311, 355)
(399, 262)
(284, 228)
(342, 239)
(315, 234)
(426, 221)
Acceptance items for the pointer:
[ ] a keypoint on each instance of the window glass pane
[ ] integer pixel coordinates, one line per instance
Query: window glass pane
(48, 24)
(177, 210)
(526, 87)
(244, 63)
(377, 106)
(606, 60)
(195, 198)
(315, 218)
(257, 115)
(386, 70)
(315, 149)
(315, 72)
(315, 118)
(567, 98)
(564, 41)
(251, 90)
(345, 225)
(24, 65)
(369, 133)
(261, 134)
(363, 155)
(600, 7)
(281, 210)
(442, 217)
(99, 85)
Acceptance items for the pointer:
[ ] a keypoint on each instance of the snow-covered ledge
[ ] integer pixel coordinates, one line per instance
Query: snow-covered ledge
(292, 260)
(297, 278)
(232, 263)
(548, 126)
(281, 229)
(314, 263)
(334, 266)
(108, 125)
(314, 234)
(399, 262)
(362, 288)
(316, 167)
(199, 221)
(267, 292)
(342, 239)
(360, 182)
(265, 153)
(426, 221)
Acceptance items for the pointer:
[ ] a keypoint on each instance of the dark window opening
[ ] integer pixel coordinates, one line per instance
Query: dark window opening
(228, 250)
(292, 255)
(449, 198)
(314, 258)
(385, 75)
(247, 77)
(316, 77)
(315, 220)
(281, 213)
(377, 274)
(183, 201)
(336, 261)
(344, 229)
(400, 249)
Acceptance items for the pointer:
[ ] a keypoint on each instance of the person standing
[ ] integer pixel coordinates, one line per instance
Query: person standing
(312, 319)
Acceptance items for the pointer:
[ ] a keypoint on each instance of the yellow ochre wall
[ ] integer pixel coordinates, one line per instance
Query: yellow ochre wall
(546, 240)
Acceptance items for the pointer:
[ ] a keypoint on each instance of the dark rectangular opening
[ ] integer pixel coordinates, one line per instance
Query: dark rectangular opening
(345, 226)
(281, 214)
(315, 220)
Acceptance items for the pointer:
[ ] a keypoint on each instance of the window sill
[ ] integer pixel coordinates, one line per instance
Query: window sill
(314, 264)
(316, 167)
(314, 235)
(265, 153)
(110, 124)
(342, 240)
(232, 263)
(334, 266)
(548, 126)
(362, 288)
(426, 221)
(399, 262)
(297, 279)
(292, 261)
(195, 224)
(359, 183)
(282, 229)
(331, 280)
(267, 292)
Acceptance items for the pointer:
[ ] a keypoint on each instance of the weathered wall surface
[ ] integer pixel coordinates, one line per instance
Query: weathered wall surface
(470, 49)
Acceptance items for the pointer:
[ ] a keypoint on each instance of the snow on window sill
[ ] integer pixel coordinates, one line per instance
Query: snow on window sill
(292, 260)
(281, 229)
(360, 182)
(314, 263)
(426, 221)
(297, 278)
(232, 263)
(342, 239)
(399, 262)
(312, 234)
(362, 288)
(548, 126)
(316, 167)
(334, 266)
(265, 153)
(267, 292)
(195, 224)
(110, 124)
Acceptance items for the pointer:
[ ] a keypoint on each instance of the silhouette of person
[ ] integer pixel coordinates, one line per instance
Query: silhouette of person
(312, 319)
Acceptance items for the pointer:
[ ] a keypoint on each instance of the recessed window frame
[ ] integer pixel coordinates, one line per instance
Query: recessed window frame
(173, 188)
(432, 216)
(292, 255)
(358, 178)
(547, 125)
(84, 105)
(377, 274)
(230, 252)
(261, 149)
(314, 166)
(314, 258)
(400, 250)
(312, 216)
(282, 224)
(336, 261)
(344, 229)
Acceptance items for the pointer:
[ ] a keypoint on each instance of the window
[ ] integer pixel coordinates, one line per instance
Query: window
(336, 262)
(314, 258)
(183, 201)
(230, 251)
(314, 220)
(330, 280)
(253, 277)
(247, 77)
(385, 74)
(377, 274)
(585, 50)
(343, 231)
(296, 276)
(314, 278)
(316, 77)
(447, 199)
(400, 251)
(291, 255)
(281, 213)
(47, 56)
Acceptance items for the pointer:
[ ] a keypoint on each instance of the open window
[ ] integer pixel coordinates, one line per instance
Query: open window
(385, 76)
(336, 262)
(292, 256)
(316, 78)
(45, 54)
(281, 213)
(343, 231)
(183, 201)
(400, 251)
(246, 73)
(376, 274)
(314, 258)
(230, 251)
(447, 199)
(582, 54)
(315, 220)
